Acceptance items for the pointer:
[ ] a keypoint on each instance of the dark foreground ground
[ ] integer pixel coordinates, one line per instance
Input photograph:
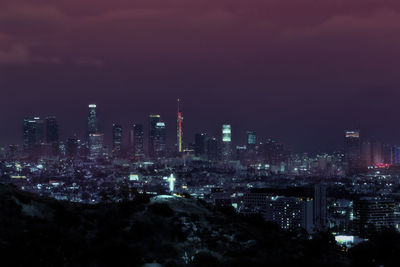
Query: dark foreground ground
(166, 231)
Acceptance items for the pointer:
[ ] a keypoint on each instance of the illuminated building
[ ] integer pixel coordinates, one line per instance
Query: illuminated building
(179, 129)
(373, 214)
(92, 126)
(226, 142)
(251, 138)
(116, 139)
(240, 153)
(137, 141)
(33, 133)
(352, 150)
(290, 212)
(153, 120)
(96, 145)
(160, 145)
(95, 138)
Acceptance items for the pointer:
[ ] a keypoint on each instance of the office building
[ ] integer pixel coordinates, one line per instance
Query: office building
(160, 138)
(373, 214)
(290, 212)
(116, 140)
(352, 150)
(226, 151)
(212, 149)
(137, 141)
(92, 120)
(52, 130)
(33, 134)
(200, 144)
(52, 134)
(320, 207)
(153, 120)
(251, 139)
(95, 143)
(72, 147)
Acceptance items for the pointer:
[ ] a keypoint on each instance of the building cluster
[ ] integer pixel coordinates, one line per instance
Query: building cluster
(353, 192)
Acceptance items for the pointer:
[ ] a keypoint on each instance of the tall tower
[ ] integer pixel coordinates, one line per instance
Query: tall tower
(153, 120)
(117, 139)
(92, 120)
(52, 134)
(179, 128)
(137, 141)
(160, 144)
(352, 149)
(95, 138)
(226, 142)
(33, 133)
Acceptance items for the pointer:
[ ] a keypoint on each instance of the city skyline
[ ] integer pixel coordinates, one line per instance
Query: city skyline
(301, 76)
(240, 137)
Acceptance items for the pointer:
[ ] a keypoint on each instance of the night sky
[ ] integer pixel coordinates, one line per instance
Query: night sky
(300, 71)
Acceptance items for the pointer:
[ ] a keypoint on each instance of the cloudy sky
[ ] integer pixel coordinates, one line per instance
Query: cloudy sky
(300, 71)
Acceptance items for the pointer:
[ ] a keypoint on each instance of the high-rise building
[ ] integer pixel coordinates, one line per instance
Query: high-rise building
(179, 129)
(251, 138)
(137, 141)
(95, 143)
(52, 130)
(95, 138)
(72, 147)
(290, 212)
(320, 207)
(92, 120)
(250, 155)
(116, 139)
(160, 145)
(226, 142)
(212, 148)
(200, 144)
(153, 120)
(352, 149)
(52, 134)
(373, 214)
(33, 133)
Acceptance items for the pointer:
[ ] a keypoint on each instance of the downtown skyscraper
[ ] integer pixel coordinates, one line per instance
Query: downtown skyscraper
(153, 120)
(160, 141)
(116, 139)
(95, 138)
(33, 133)
(226, 151)
(52, 134)
(137, 141)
